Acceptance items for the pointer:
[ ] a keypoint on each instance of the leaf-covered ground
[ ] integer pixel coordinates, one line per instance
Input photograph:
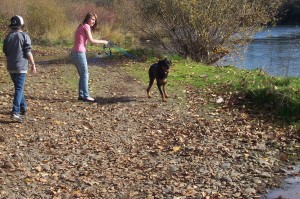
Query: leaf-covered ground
(129, 146)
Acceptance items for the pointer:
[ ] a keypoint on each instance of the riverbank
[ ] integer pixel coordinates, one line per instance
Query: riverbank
(128, 146)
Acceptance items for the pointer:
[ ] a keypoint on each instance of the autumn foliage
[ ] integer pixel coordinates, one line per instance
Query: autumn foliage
(52, 21)
(202, 30)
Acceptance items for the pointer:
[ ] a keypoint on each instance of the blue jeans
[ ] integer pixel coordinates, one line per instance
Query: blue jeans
(19, 99)
(80, 61)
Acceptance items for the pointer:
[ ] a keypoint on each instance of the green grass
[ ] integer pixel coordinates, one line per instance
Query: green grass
(278, 95)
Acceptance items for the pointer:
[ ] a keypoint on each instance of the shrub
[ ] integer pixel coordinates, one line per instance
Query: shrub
(45, 19)
(8, 9)
(3, 26)
(55, 21)
(204, 30)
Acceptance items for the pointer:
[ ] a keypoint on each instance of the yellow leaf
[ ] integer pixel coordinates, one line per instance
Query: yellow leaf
(160, 147)
(29, 180)
(77, 192)
(57, 122)
(42, 180)
(176, 148)
(190, 192)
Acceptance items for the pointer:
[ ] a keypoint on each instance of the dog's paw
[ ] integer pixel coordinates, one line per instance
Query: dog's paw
(149, 95)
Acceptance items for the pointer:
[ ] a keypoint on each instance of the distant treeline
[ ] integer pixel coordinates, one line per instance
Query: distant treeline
(290, 13)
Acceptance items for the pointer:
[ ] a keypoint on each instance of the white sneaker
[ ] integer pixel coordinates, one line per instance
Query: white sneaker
(17, 118)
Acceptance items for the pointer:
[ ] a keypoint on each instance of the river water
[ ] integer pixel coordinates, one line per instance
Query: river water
(290, 188)
(276, 50)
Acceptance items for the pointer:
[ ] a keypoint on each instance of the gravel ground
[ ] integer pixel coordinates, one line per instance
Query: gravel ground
(129, 146)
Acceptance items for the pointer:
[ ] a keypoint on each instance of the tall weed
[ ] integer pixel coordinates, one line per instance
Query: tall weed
(46, 18)
(9, 8)
(54, 22)
(118, 36)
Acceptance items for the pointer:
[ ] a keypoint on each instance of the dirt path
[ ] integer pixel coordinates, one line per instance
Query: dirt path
(126, 145)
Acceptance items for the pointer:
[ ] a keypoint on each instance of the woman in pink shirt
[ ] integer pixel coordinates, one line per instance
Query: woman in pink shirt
(83, 34)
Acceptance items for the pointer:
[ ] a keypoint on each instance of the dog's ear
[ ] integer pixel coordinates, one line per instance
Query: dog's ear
(165, 62)
(168, 63)
(161, 62)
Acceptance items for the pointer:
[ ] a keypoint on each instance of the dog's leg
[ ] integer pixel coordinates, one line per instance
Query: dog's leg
(162, 83)
(150, 85)
(161, 92)
(164, 91)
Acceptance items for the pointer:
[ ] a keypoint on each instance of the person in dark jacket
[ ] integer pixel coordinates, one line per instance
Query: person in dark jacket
(17, 49)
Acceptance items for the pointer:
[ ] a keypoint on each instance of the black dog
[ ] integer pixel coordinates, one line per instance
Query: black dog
(159, 72)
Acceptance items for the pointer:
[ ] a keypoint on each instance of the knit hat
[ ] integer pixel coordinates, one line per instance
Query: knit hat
(16, 22)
